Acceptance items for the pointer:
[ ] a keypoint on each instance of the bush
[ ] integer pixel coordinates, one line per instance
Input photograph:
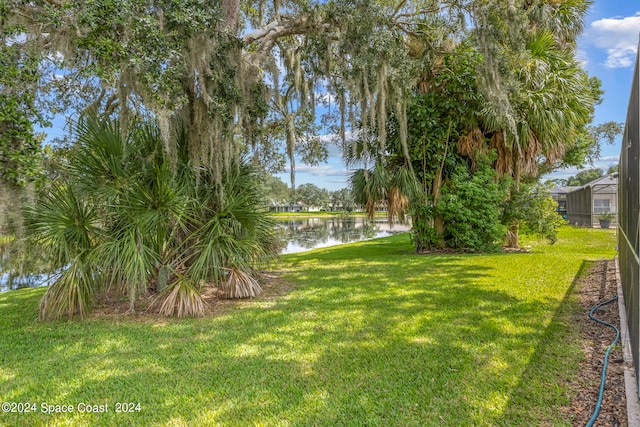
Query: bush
(536, 212)
(423, 234)
(472, 206)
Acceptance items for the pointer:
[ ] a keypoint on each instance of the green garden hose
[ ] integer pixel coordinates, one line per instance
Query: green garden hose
(596, 411)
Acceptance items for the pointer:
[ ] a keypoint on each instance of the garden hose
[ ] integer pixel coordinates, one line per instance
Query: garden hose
(596, 411)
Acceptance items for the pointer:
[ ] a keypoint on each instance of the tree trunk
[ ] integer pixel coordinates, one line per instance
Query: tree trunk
(231, 9)
(438, 225)
(513, 231)
(512, 234)
(438, 218)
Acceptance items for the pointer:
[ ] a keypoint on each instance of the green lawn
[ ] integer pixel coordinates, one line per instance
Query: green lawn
(371, 335)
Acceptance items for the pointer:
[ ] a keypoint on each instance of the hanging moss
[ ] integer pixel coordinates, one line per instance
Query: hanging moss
(381, 105)
(190, 66)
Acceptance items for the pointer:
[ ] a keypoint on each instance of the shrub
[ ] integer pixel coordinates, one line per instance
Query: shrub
(536, 212)
(472, 205)
(133, 218)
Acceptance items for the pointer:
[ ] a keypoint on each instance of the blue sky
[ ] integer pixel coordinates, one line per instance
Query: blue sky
(607, 49)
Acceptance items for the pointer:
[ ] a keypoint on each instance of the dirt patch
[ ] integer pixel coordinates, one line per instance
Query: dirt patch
(596, 285)
(115, 303)
(450, 251)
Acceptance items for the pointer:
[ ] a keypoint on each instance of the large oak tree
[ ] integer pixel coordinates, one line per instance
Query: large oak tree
(242, 76)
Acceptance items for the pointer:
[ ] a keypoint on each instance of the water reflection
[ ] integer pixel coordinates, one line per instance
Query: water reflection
(303, 234)
(19, 269)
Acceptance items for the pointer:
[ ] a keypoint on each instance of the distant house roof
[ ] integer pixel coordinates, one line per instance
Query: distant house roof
(608, 184)
(561, 190)
(557, 190)
(277, 203)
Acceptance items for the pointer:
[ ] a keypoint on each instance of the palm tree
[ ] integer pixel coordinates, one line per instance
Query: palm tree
(382, 178)
(549, 106)
(137, 220)
(564, 19)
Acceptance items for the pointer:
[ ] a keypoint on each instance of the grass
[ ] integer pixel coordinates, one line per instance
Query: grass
(371, 335)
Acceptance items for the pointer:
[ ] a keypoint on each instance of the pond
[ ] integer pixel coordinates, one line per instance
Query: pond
(303, 234)
(12, 277)
(300, 234)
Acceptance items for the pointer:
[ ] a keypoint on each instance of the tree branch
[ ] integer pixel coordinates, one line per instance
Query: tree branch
(231, 12)
(398, 7)
(259, 33)
(270, 34)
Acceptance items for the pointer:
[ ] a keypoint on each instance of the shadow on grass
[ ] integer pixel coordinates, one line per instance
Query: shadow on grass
(535, 400)
(421, 342)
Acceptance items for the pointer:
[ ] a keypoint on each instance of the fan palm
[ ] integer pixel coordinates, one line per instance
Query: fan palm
(552, 105)
(66, 227)
(564, 19)
(390, 181)
(134, 219)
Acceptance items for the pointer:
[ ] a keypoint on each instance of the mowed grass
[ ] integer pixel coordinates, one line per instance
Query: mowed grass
(371, 334)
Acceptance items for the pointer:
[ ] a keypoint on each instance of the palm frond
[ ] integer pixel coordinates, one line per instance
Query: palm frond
(183, 300)
(407, 183)
(564, 19)
(473, 145)
(63, 223)
(127, 262)
(156, 220)
(241, 285)
(100, 156)
(235, 229)
(70, 294)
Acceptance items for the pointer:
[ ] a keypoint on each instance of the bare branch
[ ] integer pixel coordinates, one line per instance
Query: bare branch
(399, 6)
(112, 104)
(260, 33)
(23, 15)
(270, 34)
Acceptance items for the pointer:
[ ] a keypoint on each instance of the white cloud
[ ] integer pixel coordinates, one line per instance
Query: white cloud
(619, 36)
(610, 160)
(17, 39)
(582, 57)
(604, 163)
(321, 170)
(324, 176)
(333, 142)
